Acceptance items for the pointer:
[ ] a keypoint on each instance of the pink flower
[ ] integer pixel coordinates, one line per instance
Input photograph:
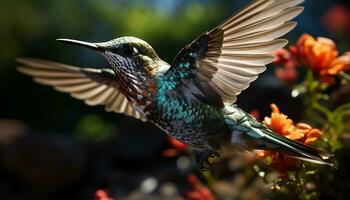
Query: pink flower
(285, 66)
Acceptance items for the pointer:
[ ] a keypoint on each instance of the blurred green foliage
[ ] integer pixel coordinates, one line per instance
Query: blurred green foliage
(92, 128)
(36, 23)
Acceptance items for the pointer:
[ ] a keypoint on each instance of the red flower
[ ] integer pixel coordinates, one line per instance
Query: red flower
(255, 114)
(285, 66)
(177, 145)
(284, 126)
(198, 192)
(102, 195)
(337, 19)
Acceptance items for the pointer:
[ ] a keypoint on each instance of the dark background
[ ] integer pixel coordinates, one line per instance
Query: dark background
(55, 147)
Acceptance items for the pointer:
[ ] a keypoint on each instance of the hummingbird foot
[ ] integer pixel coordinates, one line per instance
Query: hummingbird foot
(206, 159)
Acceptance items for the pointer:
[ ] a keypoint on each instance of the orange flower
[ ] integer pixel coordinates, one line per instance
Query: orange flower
(310, 134)
(279, 122)
(321, 55)
(284, 126)
(340, 64)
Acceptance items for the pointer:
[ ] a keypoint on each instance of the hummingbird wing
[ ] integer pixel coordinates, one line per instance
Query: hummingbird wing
(221, 63)
(94, 86)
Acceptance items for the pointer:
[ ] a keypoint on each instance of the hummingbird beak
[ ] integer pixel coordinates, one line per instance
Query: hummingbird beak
(81, 43)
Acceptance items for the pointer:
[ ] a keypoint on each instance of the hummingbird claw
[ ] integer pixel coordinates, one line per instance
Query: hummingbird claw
(206, 159)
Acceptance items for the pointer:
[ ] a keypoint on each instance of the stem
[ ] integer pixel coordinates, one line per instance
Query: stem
(322, 109)
(345, 76)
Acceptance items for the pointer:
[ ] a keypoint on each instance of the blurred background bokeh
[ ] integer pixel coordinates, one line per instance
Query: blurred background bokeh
(55, 147)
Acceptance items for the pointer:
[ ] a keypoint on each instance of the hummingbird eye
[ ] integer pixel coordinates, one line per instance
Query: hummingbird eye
(130, 50)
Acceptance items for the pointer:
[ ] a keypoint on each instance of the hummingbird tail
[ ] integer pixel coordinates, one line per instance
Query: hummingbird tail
(296, 149)
(247, 134)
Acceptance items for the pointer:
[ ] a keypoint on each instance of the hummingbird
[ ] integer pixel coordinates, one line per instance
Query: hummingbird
(193, 98)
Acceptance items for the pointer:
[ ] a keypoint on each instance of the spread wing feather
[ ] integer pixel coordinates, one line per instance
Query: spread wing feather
(223, 62)
(93, 86)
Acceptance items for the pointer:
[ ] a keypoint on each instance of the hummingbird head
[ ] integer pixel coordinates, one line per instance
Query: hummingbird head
(125, 54)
